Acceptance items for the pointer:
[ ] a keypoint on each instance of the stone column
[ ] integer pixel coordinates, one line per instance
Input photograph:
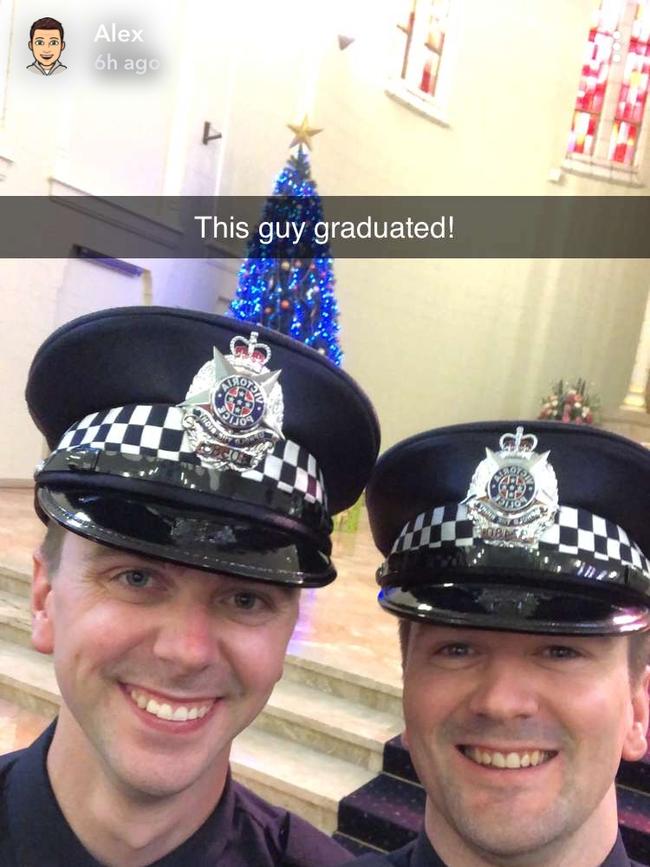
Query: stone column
(635, 397)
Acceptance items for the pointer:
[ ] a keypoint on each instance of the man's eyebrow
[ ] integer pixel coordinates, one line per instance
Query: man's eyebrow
(100, 553)
(103, 552)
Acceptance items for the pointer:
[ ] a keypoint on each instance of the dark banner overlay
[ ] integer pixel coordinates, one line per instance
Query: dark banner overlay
(351, 227)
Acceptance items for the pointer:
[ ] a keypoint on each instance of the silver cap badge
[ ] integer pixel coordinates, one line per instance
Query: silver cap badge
(513, 498)
(233, 410)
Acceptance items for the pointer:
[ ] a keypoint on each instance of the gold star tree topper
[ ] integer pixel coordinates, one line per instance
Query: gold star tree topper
(303, 133)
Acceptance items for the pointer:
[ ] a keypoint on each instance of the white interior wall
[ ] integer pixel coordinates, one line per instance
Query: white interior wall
(433, 341)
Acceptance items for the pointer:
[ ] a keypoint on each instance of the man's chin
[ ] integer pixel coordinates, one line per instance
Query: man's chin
(155, 783)
(508, 835)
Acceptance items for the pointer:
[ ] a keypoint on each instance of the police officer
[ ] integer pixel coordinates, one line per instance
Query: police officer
(516, 560)
(196, 462)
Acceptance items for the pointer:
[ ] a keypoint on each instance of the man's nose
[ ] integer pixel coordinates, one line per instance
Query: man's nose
(187, 637)
(505, 690)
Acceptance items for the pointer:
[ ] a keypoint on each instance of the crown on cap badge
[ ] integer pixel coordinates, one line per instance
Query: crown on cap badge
(250, 353)
(233, 410)
(512, 498)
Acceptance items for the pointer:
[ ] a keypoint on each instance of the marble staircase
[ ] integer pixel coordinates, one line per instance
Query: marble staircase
(319, 738)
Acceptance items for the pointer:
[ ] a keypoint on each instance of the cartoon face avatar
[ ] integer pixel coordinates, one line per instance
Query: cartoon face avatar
(46, 44)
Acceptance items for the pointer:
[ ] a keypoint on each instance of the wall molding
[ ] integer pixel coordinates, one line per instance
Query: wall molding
(608, 172)
(150, 227)
(425, 106)
(165, 230)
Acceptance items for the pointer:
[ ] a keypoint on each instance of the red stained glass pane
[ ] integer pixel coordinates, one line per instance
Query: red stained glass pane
(593, 81)
(425, 81)
(602, 50)
(583, 130)
(631, 101)
(426, 29)
(622, 143)
(596, 65)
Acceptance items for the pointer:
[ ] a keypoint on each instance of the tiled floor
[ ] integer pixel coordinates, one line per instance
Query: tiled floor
(340, 625)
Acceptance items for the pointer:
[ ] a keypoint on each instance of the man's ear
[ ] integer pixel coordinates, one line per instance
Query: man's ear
(635, 744)
(42, 622)
(29, 45)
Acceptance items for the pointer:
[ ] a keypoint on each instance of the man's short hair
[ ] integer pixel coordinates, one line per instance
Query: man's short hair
(638, 649)
(45, 24)
(404, 627)
(51, 546)
(638, 654)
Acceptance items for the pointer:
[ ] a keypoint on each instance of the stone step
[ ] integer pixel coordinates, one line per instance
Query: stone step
(321, 668)
(13, 580)
(15, 618)
(27, 679)
(294, 776)
(333, 725)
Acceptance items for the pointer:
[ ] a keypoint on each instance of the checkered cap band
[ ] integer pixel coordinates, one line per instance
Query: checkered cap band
(157, 431)
(575, 532)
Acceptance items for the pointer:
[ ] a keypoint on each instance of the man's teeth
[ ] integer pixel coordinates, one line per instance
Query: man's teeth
(507, 760)
(163, 710)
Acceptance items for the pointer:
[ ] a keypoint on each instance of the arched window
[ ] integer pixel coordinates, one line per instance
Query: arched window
(613, 85)
(422, 26)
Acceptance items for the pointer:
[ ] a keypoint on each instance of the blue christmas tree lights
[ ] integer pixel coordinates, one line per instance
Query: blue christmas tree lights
(289, 286)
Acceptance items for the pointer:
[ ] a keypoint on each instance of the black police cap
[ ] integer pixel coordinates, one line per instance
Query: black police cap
(174, 435)
(525, 526)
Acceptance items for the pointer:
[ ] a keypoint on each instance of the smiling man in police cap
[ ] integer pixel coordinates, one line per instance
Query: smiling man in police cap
(196, 463)
(515, 558)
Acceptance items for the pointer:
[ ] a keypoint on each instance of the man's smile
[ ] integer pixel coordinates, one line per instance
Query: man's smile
(507, 759)
(169, 709)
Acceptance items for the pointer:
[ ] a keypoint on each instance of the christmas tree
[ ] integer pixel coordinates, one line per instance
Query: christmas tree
(289, 286)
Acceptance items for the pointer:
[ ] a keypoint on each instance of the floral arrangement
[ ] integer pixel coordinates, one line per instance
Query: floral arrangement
(570, 402)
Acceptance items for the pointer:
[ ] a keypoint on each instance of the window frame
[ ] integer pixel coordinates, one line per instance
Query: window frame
(402, 86)
(598, 163)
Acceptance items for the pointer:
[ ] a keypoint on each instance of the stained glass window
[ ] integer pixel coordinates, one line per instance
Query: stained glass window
(601, 47)
(633, 89)
(423, 25)
(613, 83)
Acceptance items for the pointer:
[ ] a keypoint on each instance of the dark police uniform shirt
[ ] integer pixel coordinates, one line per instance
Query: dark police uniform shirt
(420, 853)
(243, 830)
